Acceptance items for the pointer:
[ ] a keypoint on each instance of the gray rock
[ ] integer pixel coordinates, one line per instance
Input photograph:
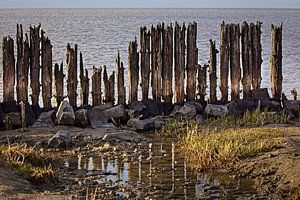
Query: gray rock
(97, 117)
(260, 94)
(61, 139)
(153, 108)
(13, 121)
(10, 106)
(81, 118)
(293, 105)
(247, 105)
(198, 105)
(65, 114)
(233, 108)
(44, 120)
(137, 109)
(186, 112)
(105, 106)
(270, 105)
(117, 112)
(216, 110)
(141, 125)
(199, 118)
(159, 122)
(108, 125)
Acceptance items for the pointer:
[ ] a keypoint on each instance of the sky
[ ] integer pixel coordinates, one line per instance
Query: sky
(150, 3)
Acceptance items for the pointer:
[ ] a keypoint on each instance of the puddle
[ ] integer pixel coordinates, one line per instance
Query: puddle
(156, 170)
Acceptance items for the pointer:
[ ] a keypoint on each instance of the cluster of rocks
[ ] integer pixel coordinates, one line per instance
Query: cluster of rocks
(142, 115)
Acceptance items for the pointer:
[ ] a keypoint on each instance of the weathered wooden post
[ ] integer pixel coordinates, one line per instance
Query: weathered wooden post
(235, 68)
(213, 72)
(133, 71)
(276, 61)
(179, 54)
(22, 65)
(202, 80)
(96, 86)
(156, 62)
(84, 83)
(167, 67)
(72, 74)
(145, 61)
(192, 55)
(46, 71)
(109, 87)
(121, 82)
(256, 49)
(247, 69)
(59, 83)
(35, 49)
(8, 70)
(224, 60)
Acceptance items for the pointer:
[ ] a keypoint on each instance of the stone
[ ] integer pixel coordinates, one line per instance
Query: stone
(117, 112)
(141, 125)
(105, 106)
(61, 139)
(167, 108)
(186, 112)
(176, 107)
(108, 125)
(159, 122)
(270, 105)
(260, 94)
(45, 120)
(2, 117)
(65, 114)
(199, 118)
(246, 105)
(10, 106)
(81, 118)
(13, 121)
(37, 110)
(137, 109)
(153, 107)
(197, 104)
(234, 109)
(216, 110)
(30, 114)
(97, 117)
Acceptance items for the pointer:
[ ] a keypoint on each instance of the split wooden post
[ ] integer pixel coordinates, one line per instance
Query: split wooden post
(224, 60)
(276, 61)
(213, 73)
(8, 70)
(22, 65)
(72, 74)
(133, 71)
(192, 55)
(120, 79)
(109, 87)
(247, 68)
(202, 80)
(96, 86)
(46, 71)
(156, 62)
(255, 30)
(59, 83)
(35, 49)
(84, 83)
(167, 67)
(179, 54)
(145, 61)
(235, 68)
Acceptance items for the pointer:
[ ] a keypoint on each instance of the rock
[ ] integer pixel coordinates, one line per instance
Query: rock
(108, 125)
(117, 112)
(270, 105)
(97, 117)
(159, 122)
(197, 104)
(199, 118)
(61, 139)
(10, 106)
(137, 109)
(176, 107)
(65, 114)
(13, 121)
(2, 117)
(30, 114)
(216, 110)
(45, 120)
(186, 112)
(234, 109)
(153, 107)
(105, 106)
(293, 105)
(167, 108)
(81, 118)
(260, 94)
(36, 109)
(141, 125)
(246, 105)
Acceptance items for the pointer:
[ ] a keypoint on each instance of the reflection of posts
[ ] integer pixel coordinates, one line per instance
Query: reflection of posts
(150, 164)
(173, 167)
(140, 169)
(79, 162)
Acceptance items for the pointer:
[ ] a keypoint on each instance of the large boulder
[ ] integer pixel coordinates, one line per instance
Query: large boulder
(117, 112)
(141, 125)
(159, 122)
(97, 117)
(13, 121)
(187, 112)
(260, 94)
(65, 114)
(292, 107)
(137, 108)
(153, 108)
(81, 118)
(145, 109)
(61, 139)
(246, 104)
(45, 119)
(270, 105)
(105, 106)
(216, 110)
(197, 104)
(234, 109)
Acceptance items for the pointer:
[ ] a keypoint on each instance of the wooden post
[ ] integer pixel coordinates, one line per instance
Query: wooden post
(133, 71)
(96, 86)
(111, 81)
(179, 47)
(8, 69)
(213, 73)
(224, 60)
(202, 79)
(276, 61)
(59, 83)
(145, 61)
(22, 65)
(235, 68)
(192, 55)
(256, 54)
(247, 69)
(72, 74)
(46, 71)
(35, 63)
(84, 83)
(120, 78)
(167, 67)
(156, 62)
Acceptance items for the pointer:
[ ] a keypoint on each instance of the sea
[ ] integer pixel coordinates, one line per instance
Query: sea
(100, 33)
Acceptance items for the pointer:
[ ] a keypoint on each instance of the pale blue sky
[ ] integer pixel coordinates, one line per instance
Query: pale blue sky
(149, 3)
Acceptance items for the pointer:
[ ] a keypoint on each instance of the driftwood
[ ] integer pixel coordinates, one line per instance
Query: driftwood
(84, 83)
(145, 61)
(213, 73)
(96, 86)
(72, 74)
(133, 71)
(120, 79)
(59, 83)
(224, 60)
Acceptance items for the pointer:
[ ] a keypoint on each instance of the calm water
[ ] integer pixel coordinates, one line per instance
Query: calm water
(99, 33)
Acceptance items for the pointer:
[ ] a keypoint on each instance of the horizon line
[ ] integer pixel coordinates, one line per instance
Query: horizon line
(291, 8)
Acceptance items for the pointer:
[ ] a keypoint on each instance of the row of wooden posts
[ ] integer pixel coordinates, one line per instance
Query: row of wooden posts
(166, 52)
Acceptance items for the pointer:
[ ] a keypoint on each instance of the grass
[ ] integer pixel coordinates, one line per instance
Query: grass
(33, 165)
